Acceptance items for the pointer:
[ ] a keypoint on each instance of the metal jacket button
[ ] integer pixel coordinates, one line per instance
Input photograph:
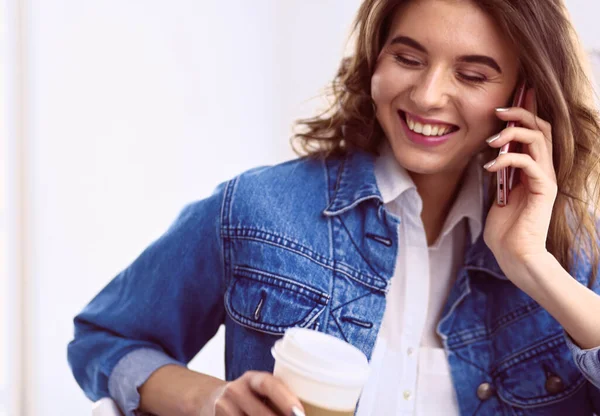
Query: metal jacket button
(485, 391)
(554, 385)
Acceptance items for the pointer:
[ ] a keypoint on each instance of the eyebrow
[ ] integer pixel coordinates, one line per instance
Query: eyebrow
(470, 59)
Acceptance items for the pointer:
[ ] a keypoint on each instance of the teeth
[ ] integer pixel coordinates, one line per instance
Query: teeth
(426, 129)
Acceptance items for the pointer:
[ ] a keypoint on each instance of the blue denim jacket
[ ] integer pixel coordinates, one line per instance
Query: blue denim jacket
(308, 243)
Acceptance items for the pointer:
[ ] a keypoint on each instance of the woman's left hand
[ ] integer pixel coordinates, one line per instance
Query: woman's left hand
(519, 230)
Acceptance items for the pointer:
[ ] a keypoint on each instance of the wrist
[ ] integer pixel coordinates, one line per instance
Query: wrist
(176, 390)
(537, 262)
(531, 272)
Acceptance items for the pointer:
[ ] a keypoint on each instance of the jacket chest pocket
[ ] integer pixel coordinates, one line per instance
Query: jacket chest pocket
(543, 378)
(272, 303)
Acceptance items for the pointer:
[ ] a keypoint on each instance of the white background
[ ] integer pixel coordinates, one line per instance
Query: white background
(133, 109)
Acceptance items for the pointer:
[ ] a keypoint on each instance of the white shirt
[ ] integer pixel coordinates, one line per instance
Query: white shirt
(409, 368)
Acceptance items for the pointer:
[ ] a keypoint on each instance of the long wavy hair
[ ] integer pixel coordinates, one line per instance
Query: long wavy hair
(551, 59)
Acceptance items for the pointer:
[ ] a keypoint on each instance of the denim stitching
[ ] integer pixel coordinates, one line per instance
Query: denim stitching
(475, 334)
(360, 252)
(362, 278)
(239, 233)
(295, 246)
(337, 182)
(513, 400)
(460, 357)
(515, 315)
(271, 278)
(339, 326)
(337, 308)
(532, 351)
(225, 221)
(330, 232)
(269, 328)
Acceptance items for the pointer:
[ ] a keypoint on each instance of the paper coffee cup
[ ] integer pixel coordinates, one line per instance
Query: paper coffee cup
(326, 373)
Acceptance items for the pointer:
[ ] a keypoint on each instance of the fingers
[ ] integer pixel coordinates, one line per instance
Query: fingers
(539, 182)
(526, 119)
(534, 139)
(252, 404)
(257, 394)
(266, 385)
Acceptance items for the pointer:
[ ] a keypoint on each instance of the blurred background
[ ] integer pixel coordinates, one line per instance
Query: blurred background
(113, 116)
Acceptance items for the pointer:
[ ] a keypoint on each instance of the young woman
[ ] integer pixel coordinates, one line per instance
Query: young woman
(387, 235)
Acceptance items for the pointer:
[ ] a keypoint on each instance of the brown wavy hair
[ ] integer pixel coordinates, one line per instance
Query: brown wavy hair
(552, 61)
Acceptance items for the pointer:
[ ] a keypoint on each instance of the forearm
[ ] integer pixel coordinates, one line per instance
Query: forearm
(573, 305)
(177, 391)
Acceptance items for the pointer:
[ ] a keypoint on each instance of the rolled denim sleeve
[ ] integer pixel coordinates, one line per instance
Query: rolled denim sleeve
(160, 310)
(130, 373)
(588, 361)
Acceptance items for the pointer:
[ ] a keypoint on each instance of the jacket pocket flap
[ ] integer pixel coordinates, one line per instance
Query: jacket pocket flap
(271, 303)
(541, 375)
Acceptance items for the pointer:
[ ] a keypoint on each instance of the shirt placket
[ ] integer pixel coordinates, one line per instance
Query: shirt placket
(416, 303)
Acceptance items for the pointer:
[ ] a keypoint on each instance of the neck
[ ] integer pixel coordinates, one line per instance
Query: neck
(438, 193)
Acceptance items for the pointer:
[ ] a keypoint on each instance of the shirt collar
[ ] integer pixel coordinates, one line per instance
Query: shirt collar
(356, 183)
(393, 180)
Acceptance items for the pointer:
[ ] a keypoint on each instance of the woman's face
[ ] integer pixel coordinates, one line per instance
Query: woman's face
(444, 68)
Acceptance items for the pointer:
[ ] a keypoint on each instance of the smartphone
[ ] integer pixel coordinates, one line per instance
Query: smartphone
(506, 176)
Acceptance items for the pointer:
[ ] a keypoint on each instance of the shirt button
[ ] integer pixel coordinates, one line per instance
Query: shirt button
(406, 395)
(485, 391)
(410, 352)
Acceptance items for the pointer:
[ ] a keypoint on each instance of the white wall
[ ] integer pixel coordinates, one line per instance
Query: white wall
(136, 108)
(585, 18)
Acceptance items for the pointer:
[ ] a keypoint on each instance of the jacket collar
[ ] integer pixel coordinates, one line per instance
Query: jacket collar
(356, 183)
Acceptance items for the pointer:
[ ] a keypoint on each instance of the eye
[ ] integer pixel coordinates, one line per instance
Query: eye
(405, 61)
(473, 79)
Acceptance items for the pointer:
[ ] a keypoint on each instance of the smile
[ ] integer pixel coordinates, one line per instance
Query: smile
(427, 133)
(427, 129)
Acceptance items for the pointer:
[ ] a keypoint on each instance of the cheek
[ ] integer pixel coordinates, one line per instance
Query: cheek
(384, 85)
(482, 120)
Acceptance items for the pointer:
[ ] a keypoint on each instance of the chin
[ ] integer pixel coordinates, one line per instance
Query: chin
(424, 163)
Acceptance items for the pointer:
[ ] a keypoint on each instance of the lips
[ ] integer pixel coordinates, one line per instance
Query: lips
(428, 139)
(427, 127)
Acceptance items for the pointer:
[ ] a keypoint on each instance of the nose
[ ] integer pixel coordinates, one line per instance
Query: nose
(432, 90)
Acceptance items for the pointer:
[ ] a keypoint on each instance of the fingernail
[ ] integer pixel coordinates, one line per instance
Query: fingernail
(489, 164)
(502, 109)
(297, 412)
(493, 138)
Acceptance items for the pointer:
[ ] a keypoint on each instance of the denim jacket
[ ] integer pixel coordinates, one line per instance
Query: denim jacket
(308, 243)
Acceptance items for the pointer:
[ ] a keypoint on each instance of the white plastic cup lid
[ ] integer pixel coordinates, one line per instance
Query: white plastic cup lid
(322, 357)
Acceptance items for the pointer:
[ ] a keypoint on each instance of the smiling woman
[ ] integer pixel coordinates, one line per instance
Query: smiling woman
(402, 73)
(386, 236)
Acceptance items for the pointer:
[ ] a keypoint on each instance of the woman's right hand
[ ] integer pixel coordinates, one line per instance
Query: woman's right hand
(255, 393)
